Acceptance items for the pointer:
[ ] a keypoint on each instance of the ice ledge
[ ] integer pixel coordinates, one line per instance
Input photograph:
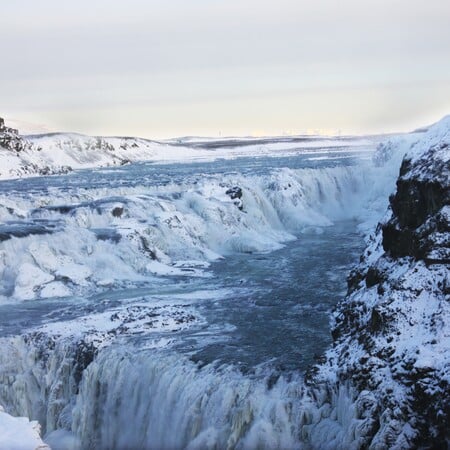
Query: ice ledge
(19, 433)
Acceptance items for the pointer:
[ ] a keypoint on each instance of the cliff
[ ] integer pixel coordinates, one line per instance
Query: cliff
(392, 331)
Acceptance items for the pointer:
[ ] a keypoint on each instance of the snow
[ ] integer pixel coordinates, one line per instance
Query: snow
(438, 135)
(59, 152)
(55, 289)
(19, 433)
(29, 279)
(136, 318)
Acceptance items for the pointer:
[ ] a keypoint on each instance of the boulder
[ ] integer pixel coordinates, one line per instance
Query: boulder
(235, 193)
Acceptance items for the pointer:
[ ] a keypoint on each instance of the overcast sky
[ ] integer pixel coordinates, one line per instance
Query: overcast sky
(163, 68)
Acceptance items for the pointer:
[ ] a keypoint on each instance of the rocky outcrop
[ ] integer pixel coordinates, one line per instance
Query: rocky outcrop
(392, 332)
(20, 156)
(10, 139)
(420, 225)
(235, 193)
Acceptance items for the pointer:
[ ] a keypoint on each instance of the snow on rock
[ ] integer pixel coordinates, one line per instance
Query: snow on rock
(19, 433)
(392, 332)
(55, 289)
(58, 153)
(100, 329)
(10, 139)
(29, 279)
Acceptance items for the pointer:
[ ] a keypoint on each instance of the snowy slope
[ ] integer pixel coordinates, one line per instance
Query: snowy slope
(62, 152)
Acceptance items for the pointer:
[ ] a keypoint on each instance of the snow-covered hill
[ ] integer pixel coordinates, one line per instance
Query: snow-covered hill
(55, 153)
(63, 152)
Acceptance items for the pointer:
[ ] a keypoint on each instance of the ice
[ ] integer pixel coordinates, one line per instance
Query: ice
(135, 318)
(19, 433)
(152, 230)
(55, 289)
(29, 279)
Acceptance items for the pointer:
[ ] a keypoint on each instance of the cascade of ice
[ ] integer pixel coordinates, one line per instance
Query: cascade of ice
(86, 241)
(39, 377)
(159, 401)
(129, 398)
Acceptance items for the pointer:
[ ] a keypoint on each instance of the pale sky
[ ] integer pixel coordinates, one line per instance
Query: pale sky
(165, 68)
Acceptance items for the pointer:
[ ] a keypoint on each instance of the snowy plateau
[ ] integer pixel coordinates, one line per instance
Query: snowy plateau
(179, 294)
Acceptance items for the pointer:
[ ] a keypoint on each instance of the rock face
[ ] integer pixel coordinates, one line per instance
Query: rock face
(392, 332)
(419, 226)
(10, 139)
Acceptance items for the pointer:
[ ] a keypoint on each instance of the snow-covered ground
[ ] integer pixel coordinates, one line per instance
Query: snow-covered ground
(18, 433)
(63, 152)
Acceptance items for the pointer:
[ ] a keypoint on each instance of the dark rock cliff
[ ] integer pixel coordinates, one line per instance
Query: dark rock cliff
(420, 210)
(392, 332)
